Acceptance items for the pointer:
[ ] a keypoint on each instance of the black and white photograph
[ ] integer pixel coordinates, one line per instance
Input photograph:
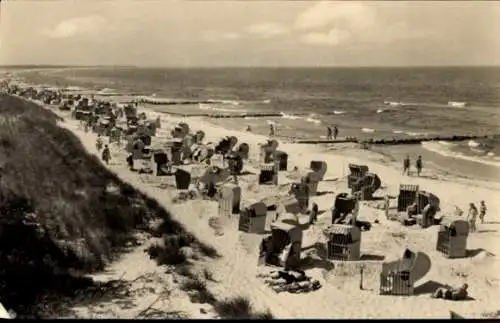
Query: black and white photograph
(249, 159)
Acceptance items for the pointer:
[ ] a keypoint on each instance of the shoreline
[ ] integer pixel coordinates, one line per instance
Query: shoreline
(380, 155)
(235, 272)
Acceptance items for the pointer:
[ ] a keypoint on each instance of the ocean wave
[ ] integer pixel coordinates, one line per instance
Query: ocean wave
(336, 112)
(231, 102)
(74, 88)
(289, 116)
(397, 131)
(473, 144)
(204, 106)
(368, 130)
(443, 148)
(395, 104)
(455, 104)
(312, 120)
(107, 90)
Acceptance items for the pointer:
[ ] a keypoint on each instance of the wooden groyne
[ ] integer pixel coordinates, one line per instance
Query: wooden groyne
(325, 141)
(398, 141)
(226, 115)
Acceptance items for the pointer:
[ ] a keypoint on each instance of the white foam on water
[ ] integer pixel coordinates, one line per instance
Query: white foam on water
(289, 116)
(443, 148)
(367, 130)
(473, 144)
(312, 119)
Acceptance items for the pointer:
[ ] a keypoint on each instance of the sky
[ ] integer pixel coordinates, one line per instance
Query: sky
(175, 33)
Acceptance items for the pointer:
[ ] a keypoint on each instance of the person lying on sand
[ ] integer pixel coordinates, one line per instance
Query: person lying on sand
(453, 294)
(298, 287)
(286, 277)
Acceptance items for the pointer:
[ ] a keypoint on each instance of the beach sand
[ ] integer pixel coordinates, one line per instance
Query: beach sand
(340, 296)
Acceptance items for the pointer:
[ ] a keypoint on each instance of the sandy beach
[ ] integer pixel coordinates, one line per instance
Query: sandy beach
(249, 160)
(235, 273)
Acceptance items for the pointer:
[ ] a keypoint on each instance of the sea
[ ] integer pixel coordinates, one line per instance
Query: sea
(361, 102)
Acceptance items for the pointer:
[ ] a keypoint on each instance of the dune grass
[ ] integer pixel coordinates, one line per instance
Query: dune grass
(230, 308)
(62, 213)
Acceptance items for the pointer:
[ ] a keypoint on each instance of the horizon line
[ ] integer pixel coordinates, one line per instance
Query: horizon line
(238, 67)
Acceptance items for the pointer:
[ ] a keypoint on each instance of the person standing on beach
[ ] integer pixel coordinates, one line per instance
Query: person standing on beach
(335, 132)
(329, 132)
(482, 211)
(271, 130)
(472, 217)
(130, 161)
(106, 154)
(98, 143)
(406, 165)
(419, 165)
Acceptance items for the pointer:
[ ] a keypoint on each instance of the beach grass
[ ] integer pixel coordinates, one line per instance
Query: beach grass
(63, 214)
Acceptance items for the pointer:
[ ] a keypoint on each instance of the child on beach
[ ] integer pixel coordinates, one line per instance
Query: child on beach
(472, 217)
(406, 165)
(106, 154)
(98, 143)
(482, 211)
(419, 165)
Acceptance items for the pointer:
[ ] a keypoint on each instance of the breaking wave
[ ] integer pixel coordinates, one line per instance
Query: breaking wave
(444, 148)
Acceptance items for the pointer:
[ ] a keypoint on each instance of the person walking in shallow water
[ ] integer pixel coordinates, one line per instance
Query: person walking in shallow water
(419, 165)
(406, 165)
(335, 132)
